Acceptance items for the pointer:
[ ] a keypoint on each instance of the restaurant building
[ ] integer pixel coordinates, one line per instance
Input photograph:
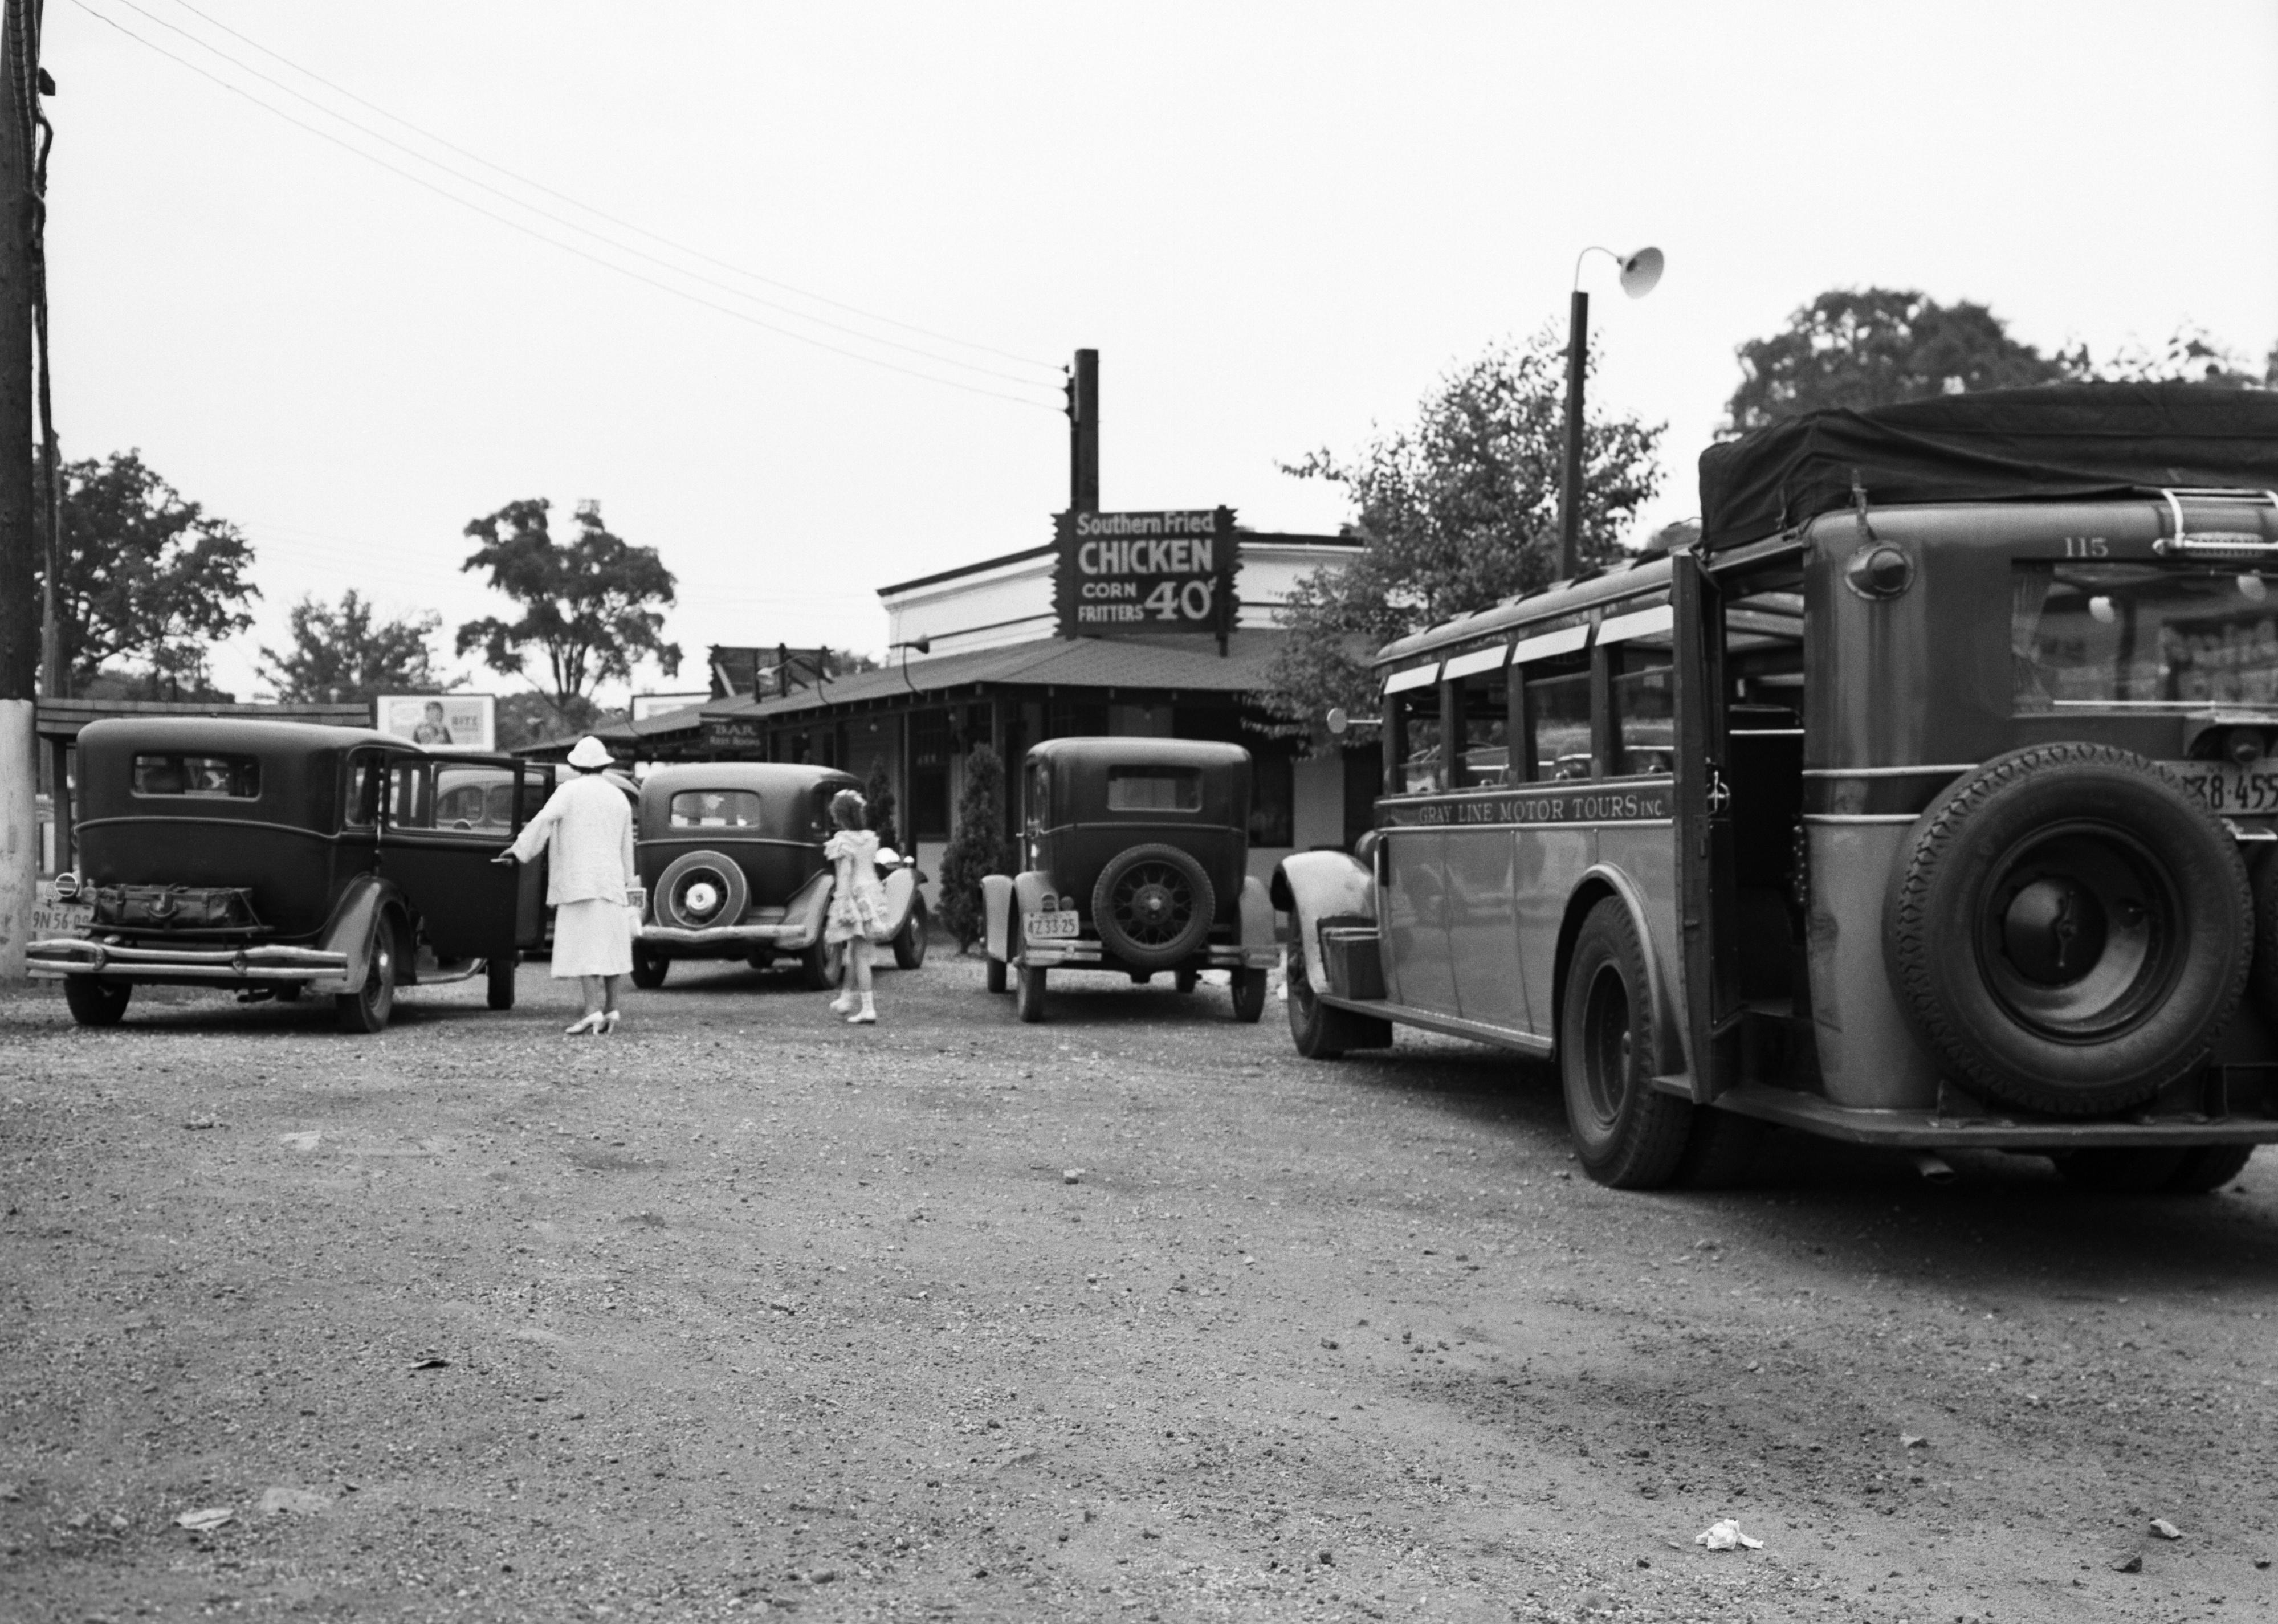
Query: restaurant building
(982, 654)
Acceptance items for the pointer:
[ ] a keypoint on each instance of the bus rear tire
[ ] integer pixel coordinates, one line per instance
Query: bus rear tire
(1626, 1134)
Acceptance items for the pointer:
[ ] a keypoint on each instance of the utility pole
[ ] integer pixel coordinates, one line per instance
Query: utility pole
(1083, 432)
(1570, 487)
(20, 533)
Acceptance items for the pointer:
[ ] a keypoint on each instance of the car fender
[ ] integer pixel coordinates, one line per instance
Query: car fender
(805, 912)
(365, 899)
(1600, 881)
(900, 885)
(996, 915)
(1322, 884)
(1031, 888)
(1256, 915)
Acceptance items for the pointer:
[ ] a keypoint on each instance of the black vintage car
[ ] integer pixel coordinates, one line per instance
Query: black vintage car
(732, 854)
(279, 858)
(1136, 854)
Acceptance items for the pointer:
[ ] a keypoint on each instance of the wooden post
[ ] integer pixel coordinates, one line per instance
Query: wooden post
(1570, 486)
(19, 537)
(1083, 433)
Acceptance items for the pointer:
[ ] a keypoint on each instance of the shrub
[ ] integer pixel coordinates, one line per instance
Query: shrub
(879, 792)
(978, 848)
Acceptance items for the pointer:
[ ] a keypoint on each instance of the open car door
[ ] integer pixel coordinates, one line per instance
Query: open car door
(447, 817)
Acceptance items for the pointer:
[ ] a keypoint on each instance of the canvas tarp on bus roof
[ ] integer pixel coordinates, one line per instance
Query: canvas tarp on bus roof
(2061, 440)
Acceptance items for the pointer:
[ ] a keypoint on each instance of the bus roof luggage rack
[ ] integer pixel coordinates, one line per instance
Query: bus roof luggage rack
(2230, 543)
(2064, 441)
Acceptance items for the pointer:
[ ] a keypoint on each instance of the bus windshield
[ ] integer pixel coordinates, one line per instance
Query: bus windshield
(2101, 634)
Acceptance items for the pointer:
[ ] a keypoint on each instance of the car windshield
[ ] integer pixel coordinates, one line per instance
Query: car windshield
(716, 809)
(2103, 634)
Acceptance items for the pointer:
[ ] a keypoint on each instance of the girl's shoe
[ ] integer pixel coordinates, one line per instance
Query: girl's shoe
(584, 1024)
(609, 1020)
(863, 1017)
(844, 1004)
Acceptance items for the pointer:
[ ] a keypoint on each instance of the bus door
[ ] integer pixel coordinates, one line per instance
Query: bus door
(1706, 912)
(1411, 854)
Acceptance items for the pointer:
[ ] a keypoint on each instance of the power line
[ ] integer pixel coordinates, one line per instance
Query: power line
(546, 214)
(603, 214)
(567, 247)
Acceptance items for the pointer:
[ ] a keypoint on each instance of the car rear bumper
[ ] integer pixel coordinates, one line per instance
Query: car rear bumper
(1081, 954)
(790, 937)
(249, 965)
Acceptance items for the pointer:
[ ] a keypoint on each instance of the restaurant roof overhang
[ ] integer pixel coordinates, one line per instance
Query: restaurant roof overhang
(60, 719)
(1180, 664)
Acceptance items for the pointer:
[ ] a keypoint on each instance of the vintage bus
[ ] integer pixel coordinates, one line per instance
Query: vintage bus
(1930, 800)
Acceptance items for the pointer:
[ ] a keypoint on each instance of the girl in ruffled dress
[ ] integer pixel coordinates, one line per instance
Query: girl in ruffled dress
(858, 903)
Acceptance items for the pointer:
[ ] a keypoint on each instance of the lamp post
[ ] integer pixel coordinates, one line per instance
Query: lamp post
(1640, 271)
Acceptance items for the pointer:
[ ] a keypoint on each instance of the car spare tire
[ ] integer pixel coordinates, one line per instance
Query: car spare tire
(701, 889)
(2069, 929)
(1154, 906)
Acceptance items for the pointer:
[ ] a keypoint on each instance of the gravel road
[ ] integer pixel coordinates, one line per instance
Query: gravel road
(1130, 1316)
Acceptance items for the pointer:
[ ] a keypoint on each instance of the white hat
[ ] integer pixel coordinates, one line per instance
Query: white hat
(590, 754)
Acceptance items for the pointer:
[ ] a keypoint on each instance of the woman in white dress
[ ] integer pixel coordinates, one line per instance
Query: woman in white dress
(588, 824)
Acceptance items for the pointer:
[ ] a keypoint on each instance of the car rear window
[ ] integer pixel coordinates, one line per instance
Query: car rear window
(1154, 788)
(212, 778)
(716, 809)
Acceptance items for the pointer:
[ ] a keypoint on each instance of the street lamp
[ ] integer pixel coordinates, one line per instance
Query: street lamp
(1640, 271)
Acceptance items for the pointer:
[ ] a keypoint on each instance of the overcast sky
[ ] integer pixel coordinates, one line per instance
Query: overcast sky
(1278, 223)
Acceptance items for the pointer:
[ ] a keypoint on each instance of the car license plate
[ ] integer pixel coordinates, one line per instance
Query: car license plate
(53, 918)
(1042, 924)
(2233, 791)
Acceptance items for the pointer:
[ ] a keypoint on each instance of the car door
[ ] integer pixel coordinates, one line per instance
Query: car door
(446, 818)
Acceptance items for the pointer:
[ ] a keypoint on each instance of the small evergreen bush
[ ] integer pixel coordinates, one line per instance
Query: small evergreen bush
(879, 792)
(978, 848)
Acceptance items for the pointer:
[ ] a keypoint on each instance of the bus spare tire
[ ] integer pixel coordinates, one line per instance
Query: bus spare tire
(1154, 906)
(2069, 929)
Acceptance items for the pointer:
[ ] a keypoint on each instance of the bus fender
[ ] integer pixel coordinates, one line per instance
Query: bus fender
(368, 897)
(1321, 885)
(1600, 881)
(996, 915)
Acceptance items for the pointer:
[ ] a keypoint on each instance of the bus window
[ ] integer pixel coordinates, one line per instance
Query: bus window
(1644, 694)
(1483, 705)
(1556, 696)
(1419, 765)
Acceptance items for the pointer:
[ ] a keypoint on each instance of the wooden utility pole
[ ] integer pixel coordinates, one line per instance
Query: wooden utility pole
(1083, 432)
(21, 539)
(1570, 482)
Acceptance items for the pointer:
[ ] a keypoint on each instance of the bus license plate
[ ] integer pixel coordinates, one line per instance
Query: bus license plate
(2233, 791)
(1041, 926)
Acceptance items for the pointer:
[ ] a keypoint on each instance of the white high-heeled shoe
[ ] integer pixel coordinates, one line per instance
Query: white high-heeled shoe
(584, 1024)
(609, 1018)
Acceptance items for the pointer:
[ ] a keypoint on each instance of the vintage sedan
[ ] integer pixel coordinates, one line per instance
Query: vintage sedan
(278, 858)
(1136, 860)
(732, 855)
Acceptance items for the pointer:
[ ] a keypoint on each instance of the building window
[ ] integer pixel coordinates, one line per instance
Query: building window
(930, 753)
(1272, 797)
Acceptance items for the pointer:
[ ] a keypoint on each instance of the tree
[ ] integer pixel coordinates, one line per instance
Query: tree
(1878, 346)
(2191, 355)
(978, 848)
(879, 792)
(341, 654)
(591, 609)
(149, 581)
(1460, 511)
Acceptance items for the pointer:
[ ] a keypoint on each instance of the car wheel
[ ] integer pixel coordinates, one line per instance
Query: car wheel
(1154, 906)
(818, 968)
(995, 976)
(1627, 1133)
(910, 941)
(95, 1002)
(1249, 995)
(650, 968)
(500, 973)
(1185, 981)
(2209, 1167)
(2069, 929)
(367, 1009)
(700, 889)
(1028, 993)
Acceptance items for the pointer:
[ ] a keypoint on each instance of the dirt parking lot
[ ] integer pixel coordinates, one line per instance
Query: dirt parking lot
(1130, 1316)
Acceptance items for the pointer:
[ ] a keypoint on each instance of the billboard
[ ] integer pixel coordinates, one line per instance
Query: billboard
(446, 722)
(1124, 575)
